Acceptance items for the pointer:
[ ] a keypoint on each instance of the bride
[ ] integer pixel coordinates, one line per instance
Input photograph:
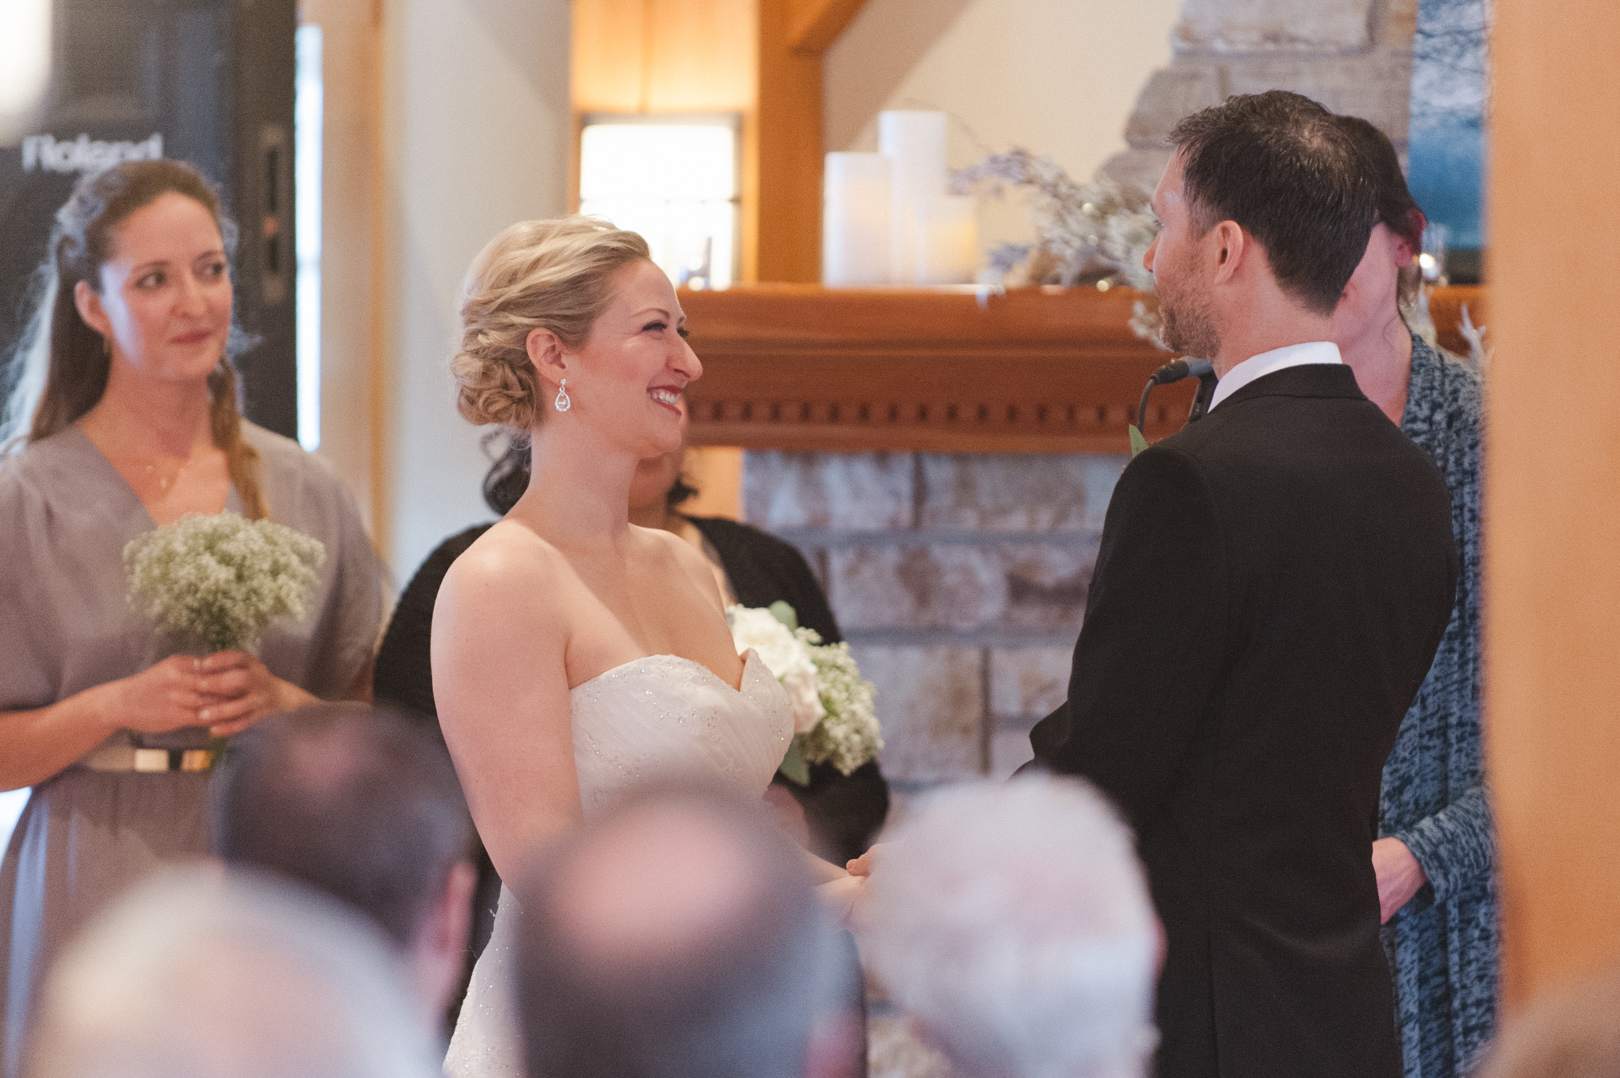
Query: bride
(573, 653)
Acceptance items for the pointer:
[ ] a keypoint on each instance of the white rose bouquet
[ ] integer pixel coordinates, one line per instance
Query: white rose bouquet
(832, 704)
(217, 581)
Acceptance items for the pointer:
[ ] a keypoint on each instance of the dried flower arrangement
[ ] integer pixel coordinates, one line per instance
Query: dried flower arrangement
(1090, 233)
(1086, 233)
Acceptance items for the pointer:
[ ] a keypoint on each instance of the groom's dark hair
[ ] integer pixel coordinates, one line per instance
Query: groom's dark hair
(1290, 174)
(631, 970)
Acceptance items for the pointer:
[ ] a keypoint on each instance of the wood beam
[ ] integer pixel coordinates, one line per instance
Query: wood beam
(788, 153)
(813, 25)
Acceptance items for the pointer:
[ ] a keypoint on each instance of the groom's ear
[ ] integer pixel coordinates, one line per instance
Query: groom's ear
(546, 353)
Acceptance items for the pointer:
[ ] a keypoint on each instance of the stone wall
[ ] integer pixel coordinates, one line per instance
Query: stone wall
(1354, 56)
(959, 581)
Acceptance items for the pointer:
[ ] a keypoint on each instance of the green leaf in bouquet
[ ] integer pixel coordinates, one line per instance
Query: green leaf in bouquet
(783, 612)
(1138, 441)
(794, 768)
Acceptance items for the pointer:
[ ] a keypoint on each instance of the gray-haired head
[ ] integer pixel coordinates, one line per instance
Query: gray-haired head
(1012, 923)
(200, 973)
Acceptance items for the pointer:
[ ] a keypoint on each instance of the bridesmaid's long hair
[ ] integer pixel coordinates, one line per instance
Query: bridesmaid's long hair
(60, 371)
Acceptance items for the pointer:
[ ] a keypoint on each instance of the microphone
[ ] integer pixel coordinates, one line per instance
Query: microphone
(1175, 371)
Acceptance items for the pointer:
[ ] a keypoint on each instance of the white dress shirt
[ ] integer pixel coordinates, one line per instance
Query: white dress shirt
(1293, 355)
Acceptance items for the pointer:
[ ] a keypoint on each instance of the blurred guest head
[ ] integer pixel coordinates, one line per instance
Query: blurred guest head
(1013, 925)
(677, 936)
(364, 805)
(203, 974)
(1573, 1033)
(1265, 211)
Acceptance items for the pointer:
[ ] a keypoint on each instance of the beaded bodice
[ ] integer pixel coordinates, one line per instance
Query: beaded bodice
(666, 716)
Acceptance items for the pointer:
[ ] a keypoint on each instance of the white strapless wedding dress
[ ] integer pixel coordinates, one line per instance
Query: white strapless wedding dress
(662, 716)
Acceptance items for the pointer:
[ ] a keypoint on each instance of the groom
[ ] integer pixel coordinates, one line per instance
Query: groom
(1271, 586)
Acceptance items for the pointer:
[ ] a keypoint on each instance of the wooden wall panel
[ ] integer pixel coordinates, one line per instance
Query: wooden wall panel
(1553, 490)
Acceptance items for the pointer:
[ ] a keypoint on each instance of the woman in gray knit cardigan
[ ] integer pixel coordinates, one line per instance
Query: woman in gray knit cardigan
(1433, 857)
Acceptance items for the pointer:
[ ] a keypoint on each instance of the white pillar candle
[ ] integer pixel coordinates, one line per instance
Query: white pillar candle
(855, 219)
(947, 239)
(914, 143)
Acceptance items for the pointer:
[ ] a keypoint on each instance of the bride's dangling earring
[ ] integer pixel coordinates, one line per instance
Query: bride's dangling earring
(563, 402)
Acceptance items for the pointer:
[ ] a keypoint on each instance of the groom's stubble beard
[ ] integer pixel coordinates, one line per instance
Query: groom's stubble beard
(1189, 321)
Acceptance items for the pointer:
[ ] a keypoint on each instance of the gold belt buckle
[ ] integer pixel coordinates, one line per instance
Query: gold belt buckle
(156, 760)
(150, 760)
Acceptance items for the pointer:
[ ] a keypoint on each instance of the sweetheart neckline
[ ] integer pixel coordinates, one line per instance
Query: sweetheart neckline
(748, 657)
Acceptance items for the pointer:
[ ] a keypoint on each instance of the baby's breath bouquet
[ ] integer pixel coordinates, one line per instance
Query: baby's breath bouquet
(833, 718)
(217, 581)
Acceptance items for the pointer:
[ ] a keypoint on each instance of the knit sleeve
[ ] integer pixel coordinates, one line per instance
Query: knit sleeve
(1454, 845)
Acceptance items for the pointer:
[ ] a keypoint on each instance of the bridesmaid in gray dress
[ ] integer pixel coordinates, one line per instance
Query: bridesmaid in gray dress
(135, 424)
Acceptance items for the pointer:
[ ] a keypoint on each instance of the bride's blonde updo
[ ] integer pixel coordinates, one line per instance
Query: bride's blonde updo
(552, 275)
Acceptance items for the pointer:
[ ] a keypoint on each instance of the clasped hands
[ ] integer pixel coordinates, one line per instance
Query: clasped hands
(843, 895)
(227, 691)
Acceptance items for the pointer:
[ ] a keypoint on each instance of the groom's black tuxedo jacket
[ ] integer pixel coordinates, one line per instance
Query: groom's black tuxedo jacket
(1271, 587)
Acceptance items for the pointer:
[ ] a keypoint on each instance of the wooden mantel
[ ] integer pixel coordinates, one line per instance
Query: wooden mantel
(1034, 370)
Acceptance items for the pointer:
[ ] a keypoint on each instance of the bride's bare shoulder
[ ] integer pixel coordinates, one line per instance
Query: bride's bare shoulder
(671, 552)
(508, 564)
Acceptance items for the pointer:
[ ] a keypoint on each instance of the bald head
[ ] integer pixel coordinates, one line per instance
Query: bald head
(661, 883)
(675, 936)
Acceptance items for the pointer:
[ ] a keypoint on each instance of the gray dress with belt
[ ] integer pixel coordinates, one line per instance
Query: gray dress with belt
(66, 626)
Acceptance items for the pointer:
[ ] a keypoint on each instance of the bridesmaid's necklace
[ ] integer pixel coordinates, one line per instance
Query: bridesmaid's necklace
(161, 471)
(166, 477)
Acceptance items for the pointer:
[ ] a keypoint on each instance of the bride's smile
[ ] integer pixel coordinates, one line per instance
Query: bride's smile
(626, 379)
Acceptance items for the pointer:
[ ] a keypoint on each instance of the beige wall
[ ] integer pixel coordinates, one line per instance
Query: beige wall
(1058, 77)
(476, 97)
